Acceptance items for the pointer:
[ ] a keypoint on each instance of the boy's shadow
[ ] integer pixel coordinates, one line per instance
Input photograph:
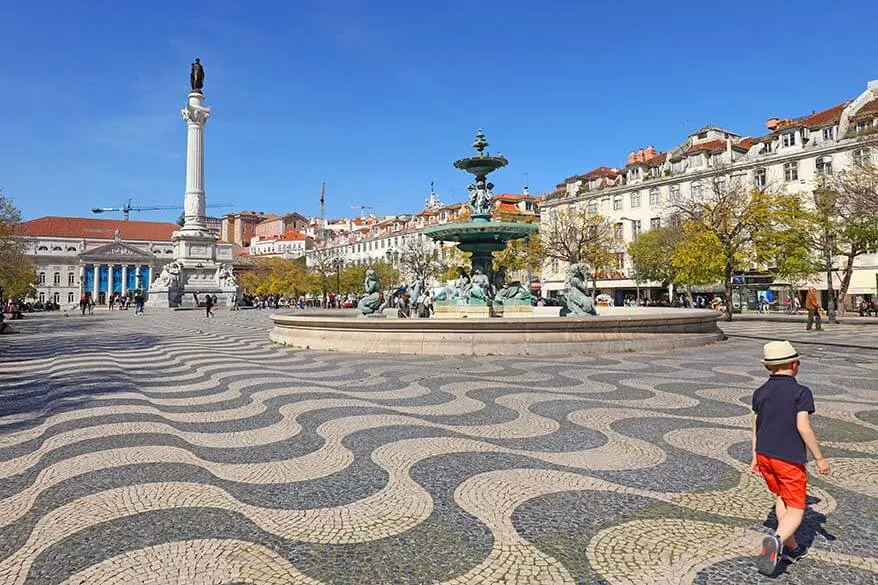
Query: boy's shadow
(812, 524)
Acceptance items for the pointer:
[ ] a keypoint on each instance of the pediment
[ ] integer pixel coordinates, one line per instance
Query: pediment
(117, 250)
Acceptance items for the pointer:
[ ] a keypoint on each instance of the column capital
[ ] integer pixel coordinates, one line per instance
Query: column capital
(195, 114)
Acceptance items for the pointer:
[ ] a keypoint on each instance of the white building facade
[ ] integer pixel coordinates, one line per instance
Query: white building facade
(98, 257)
(793, 156)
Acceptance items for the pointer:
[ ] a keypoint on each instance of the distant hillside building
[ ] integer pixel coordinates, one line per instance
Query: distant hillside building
(239, 228)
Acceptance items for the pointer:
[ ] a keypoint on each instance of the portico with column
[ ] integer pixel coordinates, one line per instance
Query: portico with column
(115, 268)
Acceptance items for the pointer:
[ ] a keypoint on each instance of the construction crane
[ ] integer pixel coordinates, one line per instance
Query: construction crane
(128, 208)
(362, 208)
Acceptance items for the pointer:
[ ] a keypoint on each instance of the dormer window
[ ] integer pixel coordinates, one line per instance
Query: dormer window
(863, 125)
(788, 139)
(695, 161)
(702, 135)
(716, 160)
(828, 134)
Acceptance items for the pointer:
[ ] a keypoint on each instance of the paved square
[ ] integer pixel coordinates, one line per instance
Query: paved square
(173, 449)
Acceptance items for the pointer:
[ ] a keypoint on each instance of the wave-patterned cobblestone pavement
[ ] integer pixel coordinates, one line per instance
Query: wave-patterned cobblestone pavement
(173, 449)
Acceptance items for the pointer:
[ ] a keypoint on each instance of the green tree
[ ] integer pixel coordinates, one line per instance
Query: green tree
(17, 271)
(276, 276)
(352, 276)
(524, 255)
(697, 258)
(789, 248)
(322, 267)
(845, 221)
(736, 215)
(452, 258)
(574, 236)
(651, 252)
(416, 258)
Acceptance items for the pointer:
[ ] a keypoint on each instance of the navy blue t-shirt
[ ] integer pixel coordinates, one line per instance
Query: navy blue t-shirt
(776, 404)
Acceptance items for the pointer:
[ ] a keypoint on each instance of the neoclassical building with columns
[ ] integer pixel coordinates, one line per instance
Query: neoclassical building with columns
(74, 256)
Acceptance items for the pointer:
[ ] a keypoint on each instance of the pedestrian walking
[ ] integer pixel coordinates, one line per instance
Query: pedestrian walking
(781, 431)
(83, 303)
(138, 303)
(812, 305)
(208, 306)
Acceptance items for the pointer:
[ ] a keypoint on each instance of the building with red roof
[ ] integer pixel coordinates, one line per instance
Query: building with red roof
(78, 255)
(794, 156)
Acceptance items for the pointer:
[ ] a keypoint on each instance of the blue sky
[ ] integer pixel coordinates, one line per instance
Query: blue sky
(378, 98)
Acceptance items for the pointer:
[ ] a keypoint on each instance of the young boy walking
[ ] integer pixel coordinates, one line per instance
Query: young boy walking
(781, 431)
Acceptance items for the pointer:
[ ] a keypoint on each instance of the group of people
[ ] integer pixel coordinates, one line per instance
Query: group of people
(116, 301)
(867, 308)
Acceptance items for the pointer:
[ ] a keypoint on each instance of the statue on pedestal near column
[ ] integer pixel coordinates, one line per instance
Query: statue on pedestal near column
(196, 76)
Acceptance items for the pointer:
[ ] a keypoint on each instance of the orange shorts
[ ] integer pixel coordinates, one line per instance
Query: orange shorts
(787, 480)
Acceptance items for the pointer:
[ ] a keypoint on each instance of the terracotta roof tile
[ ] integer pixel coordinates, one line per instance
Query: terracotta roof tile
(102, 229)
(820, 119)
(657, 160)
(294, 235)
(709, 146)
(868, 109)
(601, 172)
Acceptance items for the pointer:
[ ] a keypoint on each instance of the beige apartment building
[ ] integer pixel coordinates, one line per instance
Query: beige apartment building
(793, 155)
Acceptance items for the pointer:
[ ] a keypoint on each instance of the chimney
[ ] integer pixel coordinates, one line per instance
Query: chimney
(772, 124)
(650, 152)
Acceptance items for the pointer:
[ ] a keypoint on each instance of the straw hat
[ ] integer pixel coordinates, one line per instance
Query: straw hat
(778, 353)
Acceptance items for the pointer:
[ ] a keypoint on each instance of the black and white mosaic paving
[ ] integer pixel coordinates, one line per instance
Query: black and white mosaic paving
(176, 449)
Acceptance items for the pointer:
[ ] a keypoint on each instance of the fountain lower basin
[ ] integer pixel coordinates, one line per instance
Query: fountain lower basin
(617, 329)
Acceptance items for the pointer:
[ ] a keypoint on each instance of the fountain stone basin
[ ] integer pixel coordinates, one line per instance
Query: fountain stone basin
(616, 329)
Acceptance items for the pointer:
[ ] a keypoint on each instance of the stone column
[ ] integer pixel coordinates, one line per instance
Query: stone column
(110, 290)
(81, 280)
(195, 115)
(95, 286)
(124, 279)
(138, 276)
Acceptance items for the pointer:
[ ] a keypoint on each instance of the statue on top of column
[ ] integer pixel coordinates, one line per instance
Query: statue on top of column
(196, 76)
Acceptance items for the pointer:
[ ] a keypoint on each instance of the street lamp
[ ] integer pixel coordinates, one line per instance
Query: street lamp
(830, 301)
(337, 263)
(823, 199)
